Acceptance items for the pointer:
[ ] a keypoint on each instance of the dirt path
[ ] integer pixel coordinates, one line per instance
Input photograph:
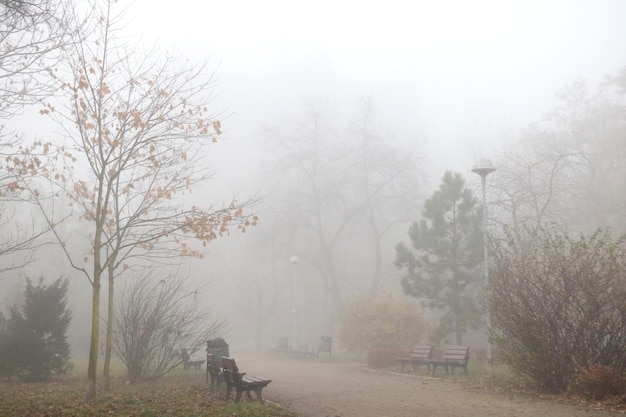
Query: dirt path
(323, 389)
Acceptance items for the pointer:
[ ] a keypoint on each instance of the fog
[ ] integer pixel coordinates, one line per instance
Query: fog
(459, 75)
(454, 80)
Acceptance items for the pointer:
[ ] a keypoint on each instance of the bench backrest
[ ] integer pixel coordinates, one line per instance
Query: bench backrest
(230, 372)
(422, 352)
(325, 345)
(282, 344)
(457, 354)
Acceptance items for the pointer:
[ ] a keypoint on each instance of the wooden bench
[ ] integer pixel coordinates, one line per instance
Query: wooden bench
(282, 346)
(241, 382)
(421, 355)
(304, 353)
(188, 363)
(325, 345)
(213, 371)
(453, 357)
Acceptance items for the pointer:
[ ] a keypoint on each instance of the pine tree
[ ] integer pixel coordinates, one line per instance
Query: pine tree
(37, 332)
(442, 265)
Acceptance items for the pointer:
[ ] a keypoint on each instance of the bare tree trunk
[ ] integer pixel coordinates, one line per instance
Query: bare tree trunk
(95, 330)
(109, 335)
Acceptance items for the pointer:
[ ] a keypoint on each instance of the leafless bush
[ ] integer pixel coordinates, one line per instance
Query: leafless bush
(557, 304)
(157, 317)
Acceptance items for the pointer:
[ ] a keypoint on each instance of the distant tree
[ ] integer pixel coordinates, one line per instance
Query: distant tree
(339, 192)
(157, 317)
(37, 333)
(387, 186)
(569, 168)
(441, 266)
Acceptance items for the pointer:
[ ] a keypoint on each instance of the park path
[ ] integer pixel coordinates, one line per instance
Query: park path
(318, 388)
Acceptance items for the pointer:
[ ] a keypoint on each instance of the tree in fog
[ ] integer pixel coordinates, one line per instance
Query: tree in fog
(142, 127)
(340, 193)
(158, 316)
(557, 304)
(36, 345)
(33, 35)
(441, 265)
(569, 168)
(387, 186)
(530, 182)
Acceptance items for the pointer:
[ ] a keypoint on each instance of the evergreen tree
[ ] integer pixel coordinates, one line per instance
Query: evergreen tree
(5, 359)
(442, 265)
(37, 333)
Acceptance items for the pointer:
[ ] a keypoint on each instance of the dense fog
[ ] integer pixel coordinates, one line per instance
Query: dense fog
(340, 118)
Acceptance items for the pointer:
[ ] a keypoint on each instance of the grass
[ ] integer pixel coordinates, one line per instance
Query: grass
(181, 393)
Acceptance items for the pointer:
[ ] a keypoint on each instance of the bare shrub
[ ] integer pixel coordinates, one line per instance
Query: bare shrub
(155, 319)
(557, 304)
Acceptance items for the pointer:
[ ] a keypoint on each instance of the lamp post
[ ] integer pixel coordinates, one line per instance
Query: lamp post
(484, 167)
(294, 260)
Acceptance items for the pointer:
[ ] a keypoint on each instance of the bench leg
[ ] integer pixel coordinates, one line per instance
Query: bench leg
(259, 394)
(238, 398)
(228, 392)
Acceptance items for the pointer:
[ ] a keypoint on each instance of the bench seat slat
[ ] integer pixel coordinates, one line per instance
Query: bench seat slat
(420, 355)
(453, 357)
(241, 382)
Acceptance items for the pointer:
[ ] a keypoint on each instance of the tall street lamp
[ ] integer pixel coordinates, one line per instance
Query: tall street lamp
(294, 260)
(484, 167)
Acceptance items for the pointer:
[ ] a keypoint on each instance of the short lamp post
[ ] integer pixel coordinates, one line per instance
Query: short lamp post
(294, 260)
(484, 167)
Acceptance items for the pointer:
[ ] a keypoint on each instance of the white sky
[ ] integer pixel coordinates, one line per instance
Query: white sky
(460, 75)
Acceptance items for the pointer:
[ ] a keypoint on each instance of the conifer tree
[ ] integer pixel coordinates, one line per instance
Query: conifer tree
(441, 266)
(37, 332)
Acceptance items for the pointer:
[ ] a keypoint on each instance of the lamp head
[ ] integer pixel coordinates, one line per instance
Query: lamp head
(483, 167)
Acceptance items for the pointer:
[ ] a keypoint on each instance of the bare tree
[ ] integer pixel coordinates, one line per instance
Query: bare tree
(32, 36)
(388, 183)
(341, 192)
(568, 169)
(140, 129)
(157, 317)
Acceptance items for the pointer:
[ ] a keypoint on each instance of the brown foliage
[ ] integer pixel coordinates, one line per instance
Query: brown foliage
(597, 382)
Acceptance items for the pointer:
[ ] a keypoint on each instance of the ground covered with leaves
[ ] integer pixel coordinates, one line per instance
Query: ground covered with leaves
(183, 394)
